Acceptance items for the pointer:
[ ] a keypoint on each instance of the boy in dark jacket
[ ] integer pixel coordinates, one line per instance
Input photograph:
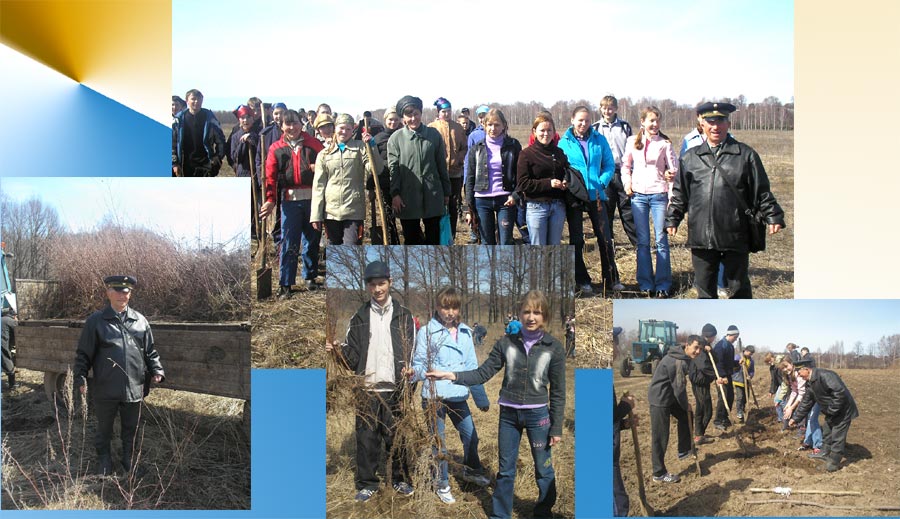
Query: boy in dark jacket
(825, 387)
(723, 352)
(380, 341)
(668, 397)
(702, 374)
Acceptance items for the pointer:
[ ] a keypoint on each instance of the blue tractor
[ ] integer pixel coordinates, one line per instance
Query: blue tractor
(654, 339)
(8, 301)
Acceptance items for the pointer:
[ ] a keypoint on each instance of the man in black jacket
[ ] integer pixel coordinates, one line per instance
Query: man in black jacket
(715, 182)
(825, 387)
(116, 343)
(702, 374)
(380, 343)
(668, 397)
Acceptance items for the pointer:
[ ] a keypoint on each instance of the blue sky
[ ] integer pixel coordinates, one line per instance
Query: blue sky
(814, 323)
(360, 55)
(211, 209)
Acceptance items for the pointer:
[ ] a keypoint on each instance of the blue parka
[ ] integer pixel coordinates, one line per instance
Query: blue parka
(597, 168)
(435, 342)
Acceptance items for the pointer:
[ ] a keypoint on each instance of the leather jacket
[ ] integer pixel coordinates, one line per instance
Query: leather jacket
(479, 176)
(826, 388)
(527, 376)
(120, 352)
(403, 336)
(716, 219)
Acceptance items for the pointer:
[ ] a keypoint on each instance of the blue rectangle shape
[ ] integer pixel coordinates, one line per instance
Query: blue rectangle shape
(593, 454)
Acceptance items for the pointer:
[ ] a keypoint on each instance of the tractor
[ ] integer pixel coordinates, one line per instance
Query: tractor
(654, 339)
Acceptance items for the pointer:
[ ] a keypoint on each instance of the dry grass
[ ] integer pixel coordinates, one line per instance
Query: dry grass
(471, 501)
(192, 446)
(593, 333)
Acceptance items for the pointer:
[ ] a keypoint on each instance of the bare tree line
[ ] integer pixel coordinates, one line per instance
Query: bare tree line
(492, 280)
(28, 228)
(768, 114)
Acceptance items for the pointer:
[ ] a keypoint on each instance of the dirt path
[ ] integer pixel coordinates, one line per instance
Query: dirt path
(872, 464)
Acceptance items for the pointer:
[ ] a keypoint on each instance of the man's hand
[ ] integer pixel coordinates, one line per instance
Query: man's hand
(317, 226)
(157, 379)
(266, 209)
(397, 203)
(792, 423)
(440, 375)
(774, 228)
(672, 230)
(554, 440)
(408, 373)
(722, 381)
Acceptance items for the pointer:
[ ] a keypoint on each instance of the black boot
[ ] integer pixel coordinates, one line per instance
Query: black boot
(284, 292)
(10, 381)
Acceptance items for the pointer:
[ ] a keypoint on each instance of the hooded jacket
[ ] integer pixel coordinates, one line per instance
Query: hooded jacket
(668, 385)
(596, 166)
(527, 375)
(436, 349)
(213, 137)
(356, 350)
(120, 352)
(701, 370)
(826, 388)
(418, 169)
(716, 220)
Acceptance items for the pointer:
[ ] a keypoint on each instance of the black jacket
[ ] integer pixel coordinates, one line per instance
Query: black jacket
(479, 177)
(527, 375)
(826, 388)
(121, 353)
(668, 386)
(403, 337)
(716, 220)
(701, 370)
(775, 383)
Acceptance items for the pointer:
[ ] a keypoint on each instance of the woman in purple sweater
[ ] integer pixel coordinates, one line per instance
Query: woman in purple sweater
(491, 182)
(541, 178)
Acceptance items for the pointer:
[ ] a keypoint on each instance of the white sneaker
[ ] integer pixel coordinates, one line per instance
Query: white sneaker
(445, 495)
(722, 293)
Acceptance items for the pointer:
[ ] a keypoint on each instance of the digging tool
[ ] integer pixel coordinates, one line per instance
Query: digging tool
(721, 389)
(748, 386)
(788, 491)
(690, 414)
(264, 272)
(378, 199)
(647, 509)
(253, 181)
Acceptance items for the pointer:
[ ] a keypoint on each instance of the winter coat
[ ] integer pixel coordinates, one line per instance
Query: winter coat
(723, 352)
(701, 370)
(527, 375)
(418, 169)
(238, 153)
(121, 354)
(455, 147)
(597, 168)
(826, 388)
(479, 178)
(436, 349)
(356, 350)
(716, 219)
(213, 137)
(291, 168)
(668, 386)
(339, 184)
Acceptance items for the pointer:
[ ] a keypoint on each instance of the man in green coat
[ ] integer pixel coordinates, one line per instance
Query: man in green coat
(420, 184)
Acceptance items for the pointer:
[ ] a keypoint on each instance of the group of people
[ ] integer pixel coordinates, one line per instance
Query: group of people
(320, 168)
(531, 400)
(800, 391)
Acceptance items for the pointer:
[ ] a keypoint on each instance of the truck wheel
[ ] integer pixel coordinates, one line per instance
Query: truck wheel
(55, 389)
(626, 369)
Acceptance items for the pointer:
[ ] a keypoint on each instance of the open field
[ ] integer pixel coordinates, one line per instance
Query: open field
(192, 446)
(471, 501)
(871, 466)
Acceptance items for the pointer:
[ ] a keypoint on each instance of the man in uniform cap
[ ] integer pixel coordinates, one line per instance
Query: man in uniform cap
(825, 387)
(717, 180)
(380, 342)
(117, 345)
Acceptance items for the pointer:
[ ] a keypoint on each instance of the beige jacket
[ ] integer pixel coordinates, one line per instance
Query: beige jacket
(339, 185)
(454, 137)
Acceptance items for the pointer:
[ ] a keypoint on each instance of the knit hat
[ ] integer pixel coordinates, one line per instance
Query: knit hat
(709, 330)
(483, 109)
(390, 110)
(241, 111)
(441, 103)
(732, 330)
(344, 119)
(276, 106)
(407, 101)
(322, 120)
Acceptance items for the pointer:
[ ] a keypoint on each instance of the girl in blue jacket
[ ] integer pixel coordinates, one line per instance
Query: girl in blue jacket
(447, 344)
(588, 151)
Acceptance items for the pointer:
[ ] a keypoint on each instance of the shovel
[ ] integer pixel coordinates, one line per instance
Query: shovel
(642, 494)
(264, 272)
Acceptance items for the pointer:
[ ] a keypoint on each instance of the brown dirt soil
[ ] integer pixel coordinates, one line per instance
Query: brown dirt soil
(871, 465)
(471, 501)
(194, 449)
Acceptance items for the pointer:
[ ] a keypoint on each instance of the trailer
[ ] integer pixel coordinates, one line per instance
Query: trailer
(208, 358)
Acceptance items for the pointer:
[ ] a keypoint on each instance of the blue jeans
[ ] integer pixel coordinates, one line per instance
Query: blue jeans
(536, 423)
(462, 419)
(298, 239)
(545, 222)
(779, 411)
(643, 207)
(522, 222)
(813, 429)
(494, 217)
